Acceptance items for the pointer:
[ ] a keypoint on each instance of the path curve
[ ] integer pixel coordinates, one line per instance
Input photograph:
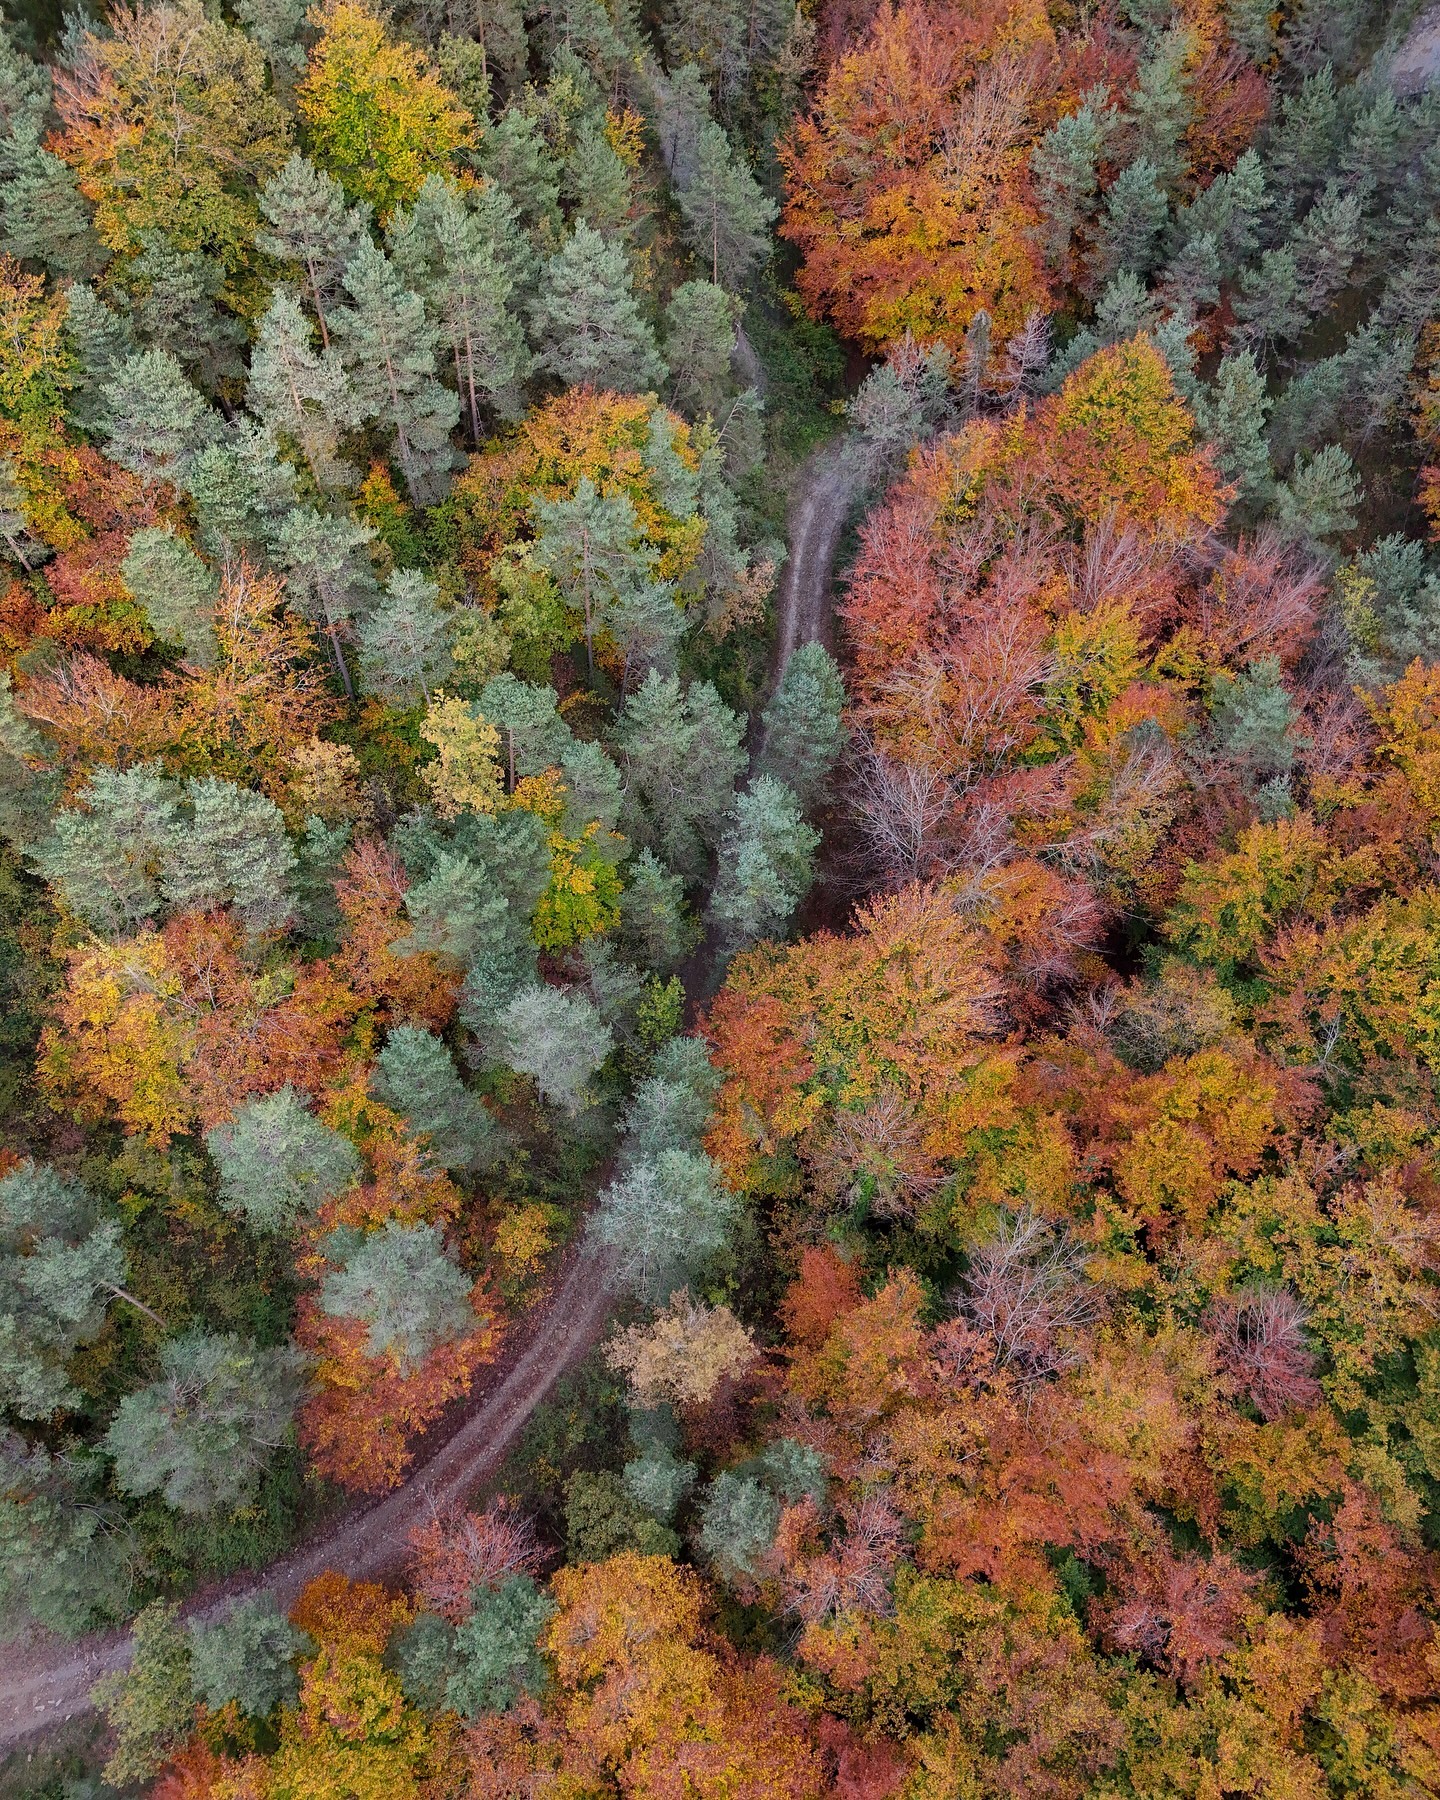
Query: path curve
(49, 1680)
(46, 1680)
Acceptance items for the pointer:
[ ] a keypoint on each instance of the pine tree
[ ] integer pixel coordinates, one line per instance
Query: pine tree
(558, 1038)
(647, 621)
(519, 162)
(1254, 720)
(738, 1524)
(765, 864)
(1191, 279)
(43, 216)
(101, 340)
(1270, 306)
(592, 546)
(14, 521)
(243, 490)
(670, 1108)
(405, 640)
(496, 1659)
(401, 1283)
(1159, 108)
(298, 394)
(727, 216)
(1128, 233)
(1065, 165)
(328, 580)
(232, 851)
(496, 28)
(457, 913)
(202, 1435)
(312, 227)
(656, 928)
(1321, 498)
(1229, 211)
(388, 348)
(1326, 243)
(464, 260)
(599, 183)
(415, 1076)
(60, 1266)
(278, 1163)
(594, 792)
(64, 1558)
(247, 1658)
(176, 589)
(153, 418)
(276, 26)
(803, 725)
(1302, 142)
(175, 302)
(105, 852)
(664, 1219)
(587, 321)
(701, 321)
(1233, 418)
(533, 736)
(25, 91)
(682, 755)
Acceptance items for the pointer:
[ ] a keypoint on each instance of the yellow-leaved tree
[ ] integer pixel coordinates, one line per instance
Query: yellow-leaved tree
(378, 116)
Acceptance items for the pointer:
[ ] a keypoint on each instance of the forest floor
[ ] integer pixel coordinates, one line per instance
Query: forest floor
(45, 1680)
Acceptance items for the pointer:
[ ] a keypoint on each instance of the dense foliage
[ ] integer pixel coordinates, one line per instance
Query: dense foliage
(995, 1065)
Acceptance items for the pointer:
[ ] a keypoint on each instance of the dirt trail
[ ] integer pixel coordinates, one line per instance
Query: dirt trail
(1417, 61)
(47, 1680)
(829, 483)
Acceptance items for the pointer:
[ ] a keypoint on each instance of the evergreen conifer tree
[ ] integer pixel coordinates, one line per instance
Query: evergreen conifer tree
(278, 1162)
(328, 579)
(587, 322)
(464, 260)
(176, 589)
(682, 754)
(401, 1283)
(405, 640)
(105, 852)
(297, 393)
(803, 729)
(663, 1219)
(558, 1038)
(765, 864)
(202, 1435)
(727, 216)
(43, 215)
(175, 303)
(153, 418)
(312, 227)
(231, 851)
(1131, 221)
(416, 1076)
(388, 347)
(654, 924)
(701, 321)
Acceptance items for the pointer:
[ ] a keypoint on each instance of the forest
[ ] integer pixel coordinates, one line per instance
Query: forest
(720, 801)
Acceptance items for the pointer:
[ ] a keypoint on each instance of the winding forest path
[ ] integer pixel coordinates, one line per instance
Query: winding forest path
(46, 1680)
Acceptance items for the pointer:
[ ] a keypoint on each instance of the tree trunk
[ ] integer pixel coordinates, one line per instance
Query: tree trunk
(334, 636)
